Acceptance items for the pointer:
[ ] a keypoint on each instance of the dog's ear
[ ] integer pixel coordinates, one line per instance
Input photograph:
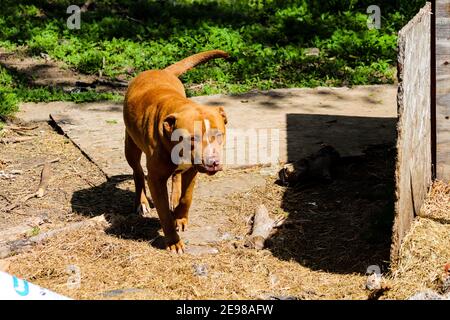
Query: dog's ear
(223, 114)
(169, 123)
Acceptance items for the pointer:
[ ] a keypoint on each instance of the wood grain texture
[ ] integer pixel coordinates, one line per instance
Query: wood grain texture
(443, 8)
(413, 167)
(443, 89)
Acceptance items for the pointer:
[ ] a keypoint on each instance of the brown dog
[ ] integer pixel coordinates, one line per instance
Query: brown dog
(157, 114)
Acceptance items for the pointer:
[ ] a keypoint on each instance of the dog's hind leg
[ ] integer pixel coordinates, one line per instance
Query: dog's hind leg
(181, 211)
(133, 155)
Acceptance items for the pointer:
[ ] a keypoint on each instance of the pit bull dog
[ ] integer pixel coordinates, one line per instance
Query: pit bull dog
(159, 119)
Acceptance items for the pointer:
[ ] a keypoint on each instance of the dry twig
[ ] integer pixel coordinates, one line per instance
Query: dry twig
(43, 184)
(15, 139)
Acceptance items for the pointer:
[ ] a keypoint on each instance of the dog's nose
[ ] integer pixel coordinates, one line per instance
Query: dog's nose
(212, 162)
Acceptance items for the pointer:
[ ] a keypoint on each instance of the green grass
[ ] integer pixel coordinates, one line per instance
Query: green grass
(34, 231)
(267, 38)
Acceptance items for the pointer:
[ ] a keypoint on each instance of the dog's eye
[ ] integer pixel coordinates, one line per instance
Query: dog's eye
(219, 137)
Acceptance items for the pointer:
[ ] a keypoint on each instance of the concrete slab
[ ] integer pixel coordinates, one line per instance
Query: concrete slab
(303, 119)
(297, 122)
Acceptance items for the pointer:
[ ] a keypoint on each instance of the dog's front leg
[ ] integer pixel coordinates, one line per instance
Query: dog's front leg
(157, 184)
(176, 190)
(182, 209)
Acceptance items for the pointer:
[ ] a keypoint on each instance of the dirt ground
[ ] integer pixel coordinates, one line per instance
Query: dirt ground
(43, 71)
(332, 234)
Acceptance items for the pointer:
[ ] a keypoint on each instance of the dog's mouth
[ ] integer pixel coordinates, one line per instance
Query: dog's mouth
(209, 169)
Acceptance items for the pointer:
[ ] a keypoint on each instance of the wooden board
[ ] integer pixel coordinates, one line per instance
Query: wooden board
(413, 167)
(443, 7)
(443, 89)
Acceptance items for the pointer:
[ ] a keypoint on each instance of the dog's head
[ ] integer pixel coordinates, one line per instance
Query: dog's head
(197, 137)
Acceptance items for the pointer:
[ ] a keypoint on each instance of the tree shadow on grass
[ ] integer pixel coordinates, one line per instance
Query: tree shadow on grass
(273, 22)
(267, 38)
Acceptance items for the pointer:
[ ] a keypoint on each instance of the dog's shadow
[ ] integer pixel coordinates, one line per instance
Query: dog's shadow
(116, 204)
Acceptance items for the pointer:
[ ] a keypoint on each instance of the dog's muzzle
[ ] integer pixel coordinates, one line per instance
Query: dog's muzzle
(210, 166)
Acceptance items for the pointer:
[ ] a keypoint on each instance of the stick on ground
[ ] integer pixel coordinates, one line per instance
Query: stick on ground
(44, 162)
(16, 139)
(45, 179)
(43, 184)
(16, 246)
(262, 229)
(20, 128)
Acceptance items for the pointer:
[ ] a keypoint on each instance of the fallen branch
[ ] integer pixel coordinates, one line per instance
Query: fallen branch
(45, 179)
(20, 128)
(19, 231)
(26, 134)
(16, 140)
(17, 246)
(19, 202)
(111, 83)
(263, 228)
(135, 20)
(4, 197)
(86, 6)
(39, 164)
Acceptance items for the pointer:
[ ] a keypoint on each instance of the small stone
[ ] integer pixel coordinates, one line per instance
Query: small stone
(312, 52)
(273, 280)
(117, 292)
(226, 236)
(426, 295)
(200, 270)
(373, 282)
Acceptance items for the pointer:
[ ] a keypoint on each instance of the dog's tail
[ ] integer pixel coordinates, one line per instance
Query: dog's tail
(188, 63)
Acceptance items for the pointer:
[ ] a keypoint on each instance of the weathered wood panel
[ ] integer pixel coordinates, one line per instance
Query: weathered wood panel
(443, 6)
(443, 138)
(413, 167)
(443, 89)
(442, 45)
(443, 70)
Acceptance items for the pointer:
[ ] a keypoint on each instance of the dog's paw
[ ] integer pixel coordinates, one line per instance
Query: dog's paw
(177, 247)
(143, 209)
(181, 224)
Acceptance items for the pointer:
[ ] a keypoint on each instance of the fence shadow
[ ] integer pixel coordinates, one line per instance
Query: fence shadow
(345, 225)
